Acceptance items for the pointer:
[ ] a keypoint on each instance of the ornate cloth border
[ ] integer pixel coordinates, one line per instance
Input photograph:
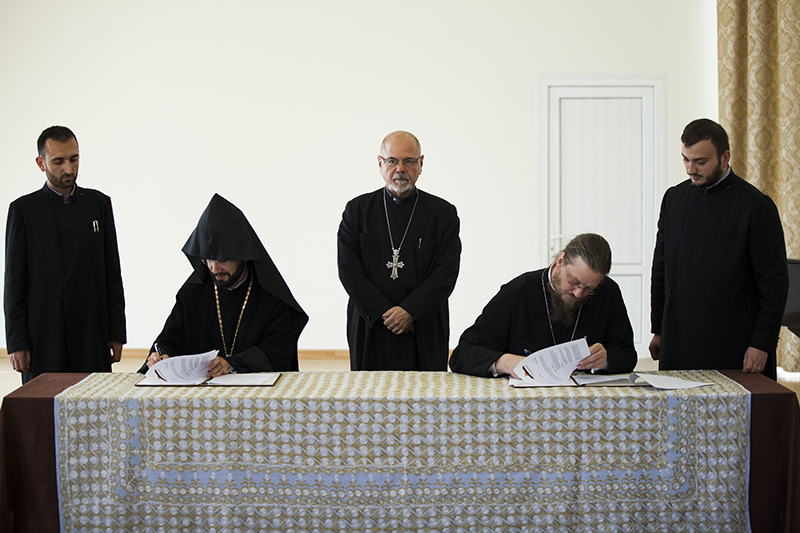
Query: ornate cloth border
(401, 451)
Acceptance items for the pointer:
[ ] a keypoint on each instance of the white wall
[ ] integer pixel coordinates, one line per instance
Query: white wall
(280, 107)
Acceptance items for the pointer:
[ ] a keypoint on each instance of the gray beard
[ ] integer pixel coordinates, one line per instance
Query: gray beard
(400, 189)
(562, 311)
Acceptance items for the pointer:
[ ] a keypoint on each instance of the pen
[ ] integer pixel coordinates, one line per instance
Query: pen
(158, 350)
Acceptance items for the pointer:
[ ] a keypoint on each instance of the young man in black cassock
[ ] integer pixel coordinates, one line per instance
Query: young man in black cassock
(235, 301)
(64, 304)
(572, 298)
(719, 280)
(399, 255)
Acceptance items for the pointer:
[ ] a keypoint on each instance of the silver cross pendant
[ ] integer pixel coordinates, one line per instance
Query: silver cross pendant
(395, 263)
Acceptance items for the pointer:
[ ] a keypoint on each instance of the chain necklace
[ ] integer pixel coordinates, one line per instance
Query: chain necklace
(547, 306)
(241, 313)
(395, 263)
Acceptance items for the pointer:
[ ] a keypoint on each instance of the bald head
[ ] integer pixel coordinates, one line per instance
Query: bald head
(401, 136)
(400, 162)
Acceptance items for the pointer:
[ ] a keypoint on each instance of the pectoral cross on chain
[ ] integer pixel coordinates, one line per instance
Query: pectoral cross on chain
(395, 263)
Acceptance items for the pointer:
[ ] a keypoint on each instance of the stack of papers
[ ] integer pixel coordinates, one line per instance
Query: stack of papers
(553, 367)
(188, 370)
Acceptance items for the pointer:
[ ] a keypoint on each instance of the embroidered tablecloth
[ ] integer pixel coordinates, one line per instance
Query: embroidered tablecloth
(401, 451)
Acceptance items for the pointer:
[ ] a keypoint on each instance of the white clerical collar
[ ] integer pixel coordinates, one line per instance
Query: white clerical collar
(550, 281)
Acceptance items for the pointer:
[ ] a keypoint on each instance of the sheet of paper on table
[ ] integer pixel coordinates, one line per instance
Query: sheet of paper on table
(636, 380)
(250, 379)
(183, 370)
(609, 380)
(670, 382)
(616, 380)
(552, 366)
(514, 382)
(188, 370)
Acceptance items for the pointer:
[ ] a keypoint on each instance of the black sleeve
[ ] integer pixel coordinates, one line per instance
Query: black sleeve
(485, 341)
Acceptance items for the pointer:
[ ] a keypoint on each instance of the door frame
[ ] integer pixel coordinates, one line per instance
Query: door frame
(549, 88)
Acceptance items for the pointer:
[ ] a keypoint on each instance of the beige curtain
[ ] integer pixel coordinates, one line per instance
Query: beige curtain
(759, 106)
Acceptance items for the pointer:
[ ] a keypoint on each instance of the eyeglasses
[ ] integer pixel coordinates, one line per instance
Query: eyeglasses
(392, 162)
(575, 284)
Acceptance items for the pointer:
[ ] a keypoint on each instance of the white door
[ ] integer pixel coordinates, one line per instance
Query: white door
(604, 166)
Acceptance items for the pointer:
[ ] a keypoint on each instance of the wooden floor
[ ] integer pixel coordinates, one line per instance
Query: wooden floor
(310, 361)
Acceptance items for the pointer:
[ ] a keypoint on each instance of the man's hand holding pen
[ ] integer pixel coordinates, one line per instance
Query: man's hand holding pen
(156, 356)
(596, 360)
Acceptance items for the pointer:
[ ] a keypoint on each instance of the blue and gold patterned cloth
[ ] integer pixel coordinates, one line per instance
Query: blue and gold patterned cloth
(402, 451)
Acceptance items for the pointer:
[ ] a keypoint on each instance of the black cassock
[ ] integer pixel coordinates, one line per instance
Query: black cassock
(516, 320)
(272, 320)
(63, 287)
(719, 278)
(268, 333)
(430, 255)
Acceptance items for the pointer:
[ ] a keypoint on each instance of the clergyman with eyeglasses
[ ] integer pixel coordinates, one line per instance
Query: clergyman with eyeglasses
(399, 254)
(235, 301)
(570, 299)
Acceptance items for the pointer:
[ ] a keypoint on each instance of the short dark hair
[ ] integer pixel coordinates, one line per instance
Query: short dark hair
(702, 129)
(593, 249)
(60, 134)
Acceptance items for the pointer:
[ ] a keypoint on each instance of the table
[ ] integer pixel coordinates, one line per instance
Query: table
(463, 472)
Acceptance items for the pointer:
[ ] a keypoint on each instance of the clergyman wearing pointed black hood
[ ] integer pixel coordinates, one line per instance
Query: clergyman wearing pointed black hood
(235, 301)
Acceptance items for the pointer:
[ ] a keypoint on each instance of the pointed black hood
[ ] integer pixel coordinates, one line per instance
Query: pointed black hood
(224, 234)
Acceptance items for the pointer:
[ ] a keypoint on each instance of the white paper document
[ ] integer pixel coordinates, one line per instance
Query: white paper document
(656, 381)
(670, 382)
(183, 370)
(250, 379)
(514, 382)
(552, 366)
(609, 380)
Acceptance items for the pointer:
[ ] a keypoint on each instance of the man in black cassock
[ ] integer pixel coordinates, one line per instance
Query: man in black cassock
(719, 280)
(235, 301)
(64, 304)
(399, 255)
(572, 298)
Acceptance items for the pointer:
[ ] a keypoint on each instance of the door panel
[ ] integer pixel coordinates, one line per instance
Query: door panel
(602, 167)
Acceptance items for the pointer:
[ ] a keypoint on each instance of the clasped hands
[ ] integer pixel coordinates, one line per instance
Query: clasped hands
(398, 321)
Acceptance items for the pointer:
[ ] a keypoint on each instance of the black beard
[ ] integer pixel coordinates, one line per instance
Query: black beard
(232, 279)
(715, 177)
